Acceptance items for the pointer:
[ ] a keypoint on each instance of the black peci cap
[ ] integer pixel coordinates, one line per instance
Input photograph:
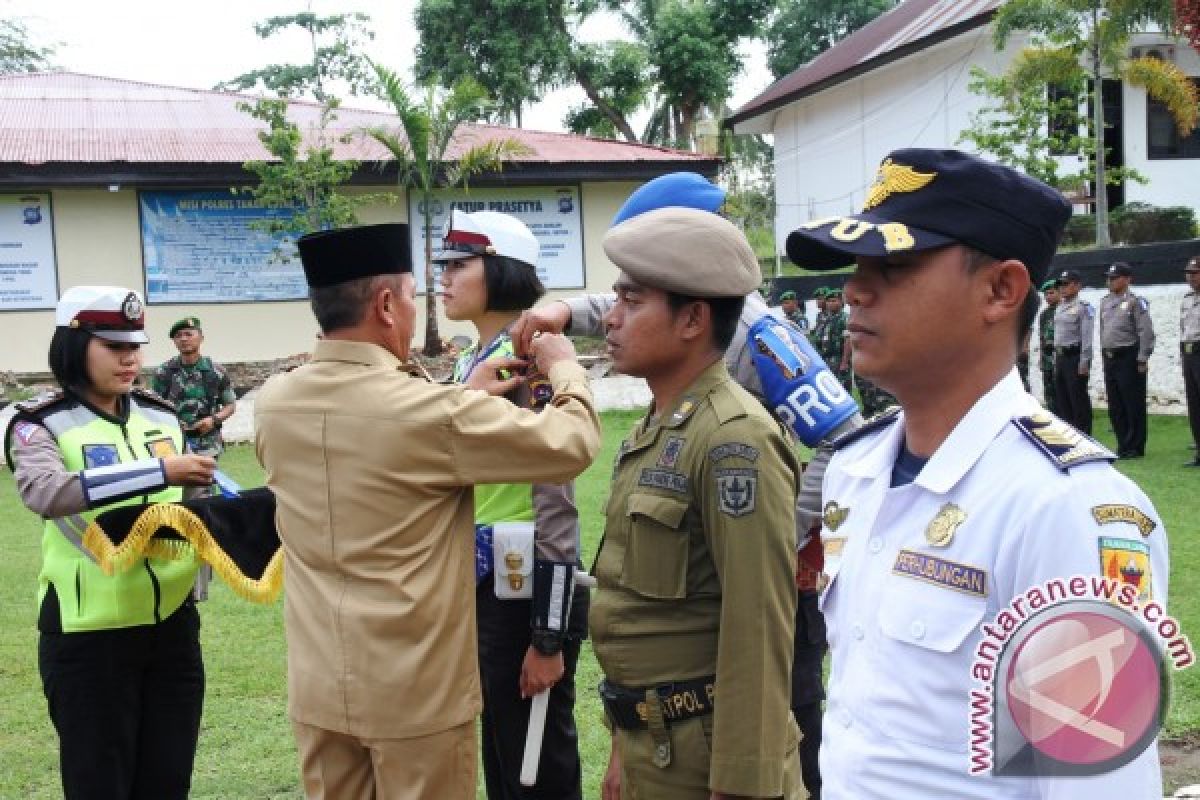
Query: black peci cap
(347, 254)
(923, 199)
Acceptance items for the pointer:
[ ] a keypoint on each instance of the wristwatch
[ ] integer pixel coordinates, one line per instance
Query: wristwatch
(547, 643)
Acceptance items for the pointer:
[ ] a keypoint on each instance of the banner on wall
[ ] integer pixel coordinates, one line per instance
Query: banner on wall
(205, 247)
(551, 212)
(28, 278)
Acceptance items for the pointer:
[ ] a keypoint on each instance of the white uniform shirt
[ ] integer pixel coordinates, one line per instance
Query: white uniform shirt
(897, 718)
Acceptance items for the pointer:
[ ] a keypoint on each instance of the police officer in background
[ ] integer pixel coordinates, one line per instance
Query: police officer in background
(1126, 342)
(373, 470)
(198, 387)
(692, 622)
(942, 515)
(1073, 352)
(1189, 347)
(1045, 326)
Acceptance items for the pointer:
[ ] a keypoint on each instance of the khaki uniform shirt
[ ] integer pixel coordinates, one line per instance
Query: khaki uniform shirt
(1189, 318)
(1073, 326)
(695, 571)
(372, 469)
(1125, 321)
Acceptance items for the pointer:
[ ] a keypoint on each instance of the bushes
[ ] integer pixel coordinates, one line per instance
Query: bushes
(1135, 223)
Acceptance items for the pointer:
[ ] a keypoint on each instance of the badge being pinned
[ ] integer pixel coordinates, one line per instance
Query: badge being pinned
(834, 515)
(941, 529)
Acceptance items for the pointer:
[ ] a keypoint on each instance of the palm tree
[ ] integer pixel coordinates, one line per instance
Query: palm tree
(421, 148)
(1090, 38)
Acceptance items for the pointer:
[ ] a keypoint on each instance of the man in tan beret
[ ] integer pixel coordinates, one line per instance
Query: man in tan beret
(692, 623)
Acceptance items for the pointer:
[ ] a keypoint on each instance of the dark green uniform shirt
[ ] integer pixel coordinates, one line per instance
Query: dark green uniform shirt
(695, 571)
(1046, 337)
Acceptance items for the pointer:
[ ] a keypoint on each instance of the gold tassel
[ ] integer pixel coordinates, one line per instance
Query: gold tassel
(140, 543)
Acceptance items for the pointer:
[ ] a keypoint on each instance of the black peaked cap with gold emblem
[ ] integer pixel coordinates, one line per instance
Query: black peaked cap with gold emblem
(923, 199)
(347, 254)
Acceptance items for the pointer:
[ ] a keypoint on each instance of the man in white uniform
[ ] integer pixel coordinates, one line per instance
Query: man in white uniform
(946, 513)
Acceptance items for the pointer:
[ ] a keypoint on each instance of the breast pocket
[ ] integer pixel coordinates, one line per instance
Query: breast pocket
(656, 559)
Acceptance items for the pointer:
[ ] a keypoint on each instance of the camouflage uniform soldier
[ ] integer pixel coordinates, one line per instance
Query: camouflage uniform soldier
(832, 341)
(1046, 342)
(822, 319)
(198, 387)
(793, 310)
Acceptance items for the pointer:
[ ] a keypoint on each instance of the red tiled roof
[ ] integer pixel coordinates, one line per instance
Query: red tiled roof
(70, 117)
(910, 26)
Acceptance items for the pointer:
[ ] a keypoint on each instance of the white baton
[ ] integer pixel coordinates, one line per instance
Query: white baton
(533, 738)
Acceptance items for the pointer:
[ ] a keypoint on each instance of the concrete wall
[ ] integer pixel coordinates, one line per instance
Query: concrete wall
(98, 241)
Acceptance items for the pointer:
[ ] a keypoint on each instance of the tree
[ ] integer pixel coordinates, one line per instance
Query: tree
(336, 43)
(800, 30)
(1088, 40)
(16, 52)
(1187, 16)
(421, 149)
(682, 59)
(305, 174)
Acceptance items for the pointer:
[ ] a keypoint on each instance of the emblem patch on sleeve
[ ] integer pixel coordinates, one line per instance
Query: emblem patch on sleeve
(24, 431)
(161, 448)
(733, 450)
(99, 455)
(1127, 561)
(1121, 512)
(737, 491)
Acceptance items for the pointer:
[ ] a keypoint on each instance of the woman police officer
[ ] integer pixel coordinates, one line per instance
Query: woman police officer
(119, 654)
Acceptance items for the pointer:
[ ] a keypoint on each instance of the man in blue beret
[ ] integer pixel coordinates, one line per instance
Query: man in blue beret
(958, 669)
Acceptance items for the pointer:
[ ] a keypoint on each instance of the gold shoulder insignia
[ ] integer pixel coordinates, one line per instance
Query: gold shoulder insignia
(1061, 443)
(893, 178)
(42, 401)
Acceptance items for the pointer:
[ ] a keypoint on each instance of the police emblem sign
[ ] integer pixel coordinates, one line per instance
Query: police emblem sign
(28, 277)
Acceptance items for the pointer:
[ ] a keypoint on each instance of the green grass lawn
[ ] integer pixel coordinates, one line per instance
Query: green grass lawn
(246, 748)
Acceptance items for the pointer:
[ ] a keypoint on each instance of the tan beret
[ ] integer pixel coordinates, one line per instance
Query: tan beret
(686, 251)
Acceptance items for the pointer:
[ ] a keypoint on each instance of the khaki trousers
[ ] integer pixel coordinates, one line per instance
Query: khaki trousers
(686, 777)
(338, 766)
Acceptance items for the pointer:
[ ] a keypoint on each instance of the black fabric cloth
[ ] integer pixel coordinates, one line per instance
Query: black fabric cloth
(504, 638)
(1191, 383)
(1126, 389)
(1071, 391)
(126, 704)
(808, 690)
(1050, 401)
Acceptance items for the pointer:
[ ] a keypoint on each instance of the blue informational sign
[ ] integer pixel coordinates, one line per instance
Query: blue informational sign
(205, 247)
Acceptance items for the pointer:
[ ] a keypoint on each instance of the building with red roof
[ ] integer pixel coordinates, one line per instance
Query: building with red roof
(129, 183)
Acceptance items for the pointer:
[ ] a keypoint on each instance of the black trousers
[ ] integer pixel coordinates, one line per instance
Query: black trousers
(504, 637)
(1071, 391)
(807, 688)
(1048, 390)
(1126, 389)
(126, 704)
(1191, 384)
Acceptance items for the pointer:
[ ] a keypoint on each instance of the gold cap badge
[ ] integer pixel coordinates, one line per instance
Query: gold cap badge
(892, 178)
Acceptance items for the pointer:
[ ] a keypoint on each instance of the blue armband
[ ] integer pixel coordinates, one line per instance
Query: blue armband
(797, 384)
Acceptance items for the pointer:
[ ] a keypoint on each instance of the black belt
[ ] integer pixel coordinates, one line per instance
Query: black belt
(680, 701)
(1070, 349)
(1113, 352)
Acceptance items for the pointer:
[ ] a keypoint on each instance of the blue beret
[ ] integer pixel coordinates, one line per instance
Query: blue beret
(684, 189)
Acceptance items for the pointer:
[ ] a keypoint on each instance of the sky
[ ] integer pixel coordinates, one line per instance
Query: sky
(197, 45)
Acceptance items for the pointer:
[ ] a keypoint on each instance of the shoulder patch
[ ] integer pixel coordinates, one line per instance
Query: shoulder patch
(877, 423)
(40, 403)
(153, 398)
(1065, 446)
